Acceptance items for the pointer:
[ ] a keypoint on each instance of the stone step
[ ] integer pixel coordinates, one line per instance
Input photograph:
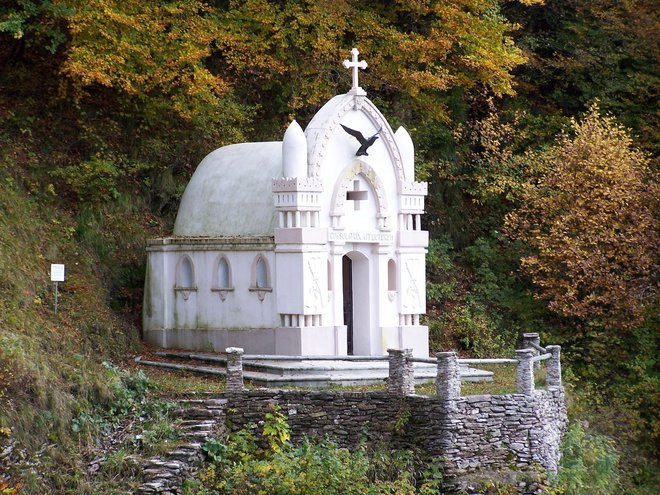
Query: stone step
(165, 474)
(316, 377)
(195, 424)
(192, 413)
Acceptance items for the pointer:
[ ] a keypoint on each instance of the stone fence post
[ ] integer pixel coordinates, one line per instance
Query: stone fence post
(234, 369)
(525, 372)
(448, 379)
(401, 379)
(553, 366)
(532, 338)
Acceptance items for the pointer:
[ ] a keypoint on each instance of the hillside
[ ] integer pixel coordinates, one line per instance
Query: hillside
(51, 364)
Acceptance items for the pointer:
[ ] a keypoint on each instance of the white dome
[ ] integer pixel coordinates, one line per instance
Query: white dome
(230, 193)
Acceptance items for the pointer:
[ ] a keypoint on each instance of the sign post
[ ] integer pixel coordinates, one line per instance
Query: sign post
(56, 275)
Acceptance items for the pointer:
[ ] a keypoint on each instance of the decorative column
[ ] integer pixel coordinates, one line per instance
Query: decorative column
(402, 379)
(525, 372)
(448, 379)
(553, 366)
(528, 340)
(234, 369)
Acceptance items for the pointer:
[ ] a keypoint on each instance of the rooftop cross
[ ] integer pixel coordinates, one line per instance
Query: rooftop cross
(355, 65)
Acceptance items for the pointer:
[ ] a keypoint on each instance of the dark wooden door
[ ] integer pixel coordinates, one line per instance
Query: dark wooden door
(347, 282)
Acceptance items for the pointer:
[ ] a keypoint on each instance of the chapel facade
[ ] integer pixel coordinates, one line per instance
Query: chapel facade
(308, 246)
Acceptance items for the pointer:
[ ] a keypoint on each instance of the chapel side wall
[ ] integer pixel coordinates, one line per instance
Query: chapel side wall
(203, 308)
(200, 319)
(470, 435)
(241, 308)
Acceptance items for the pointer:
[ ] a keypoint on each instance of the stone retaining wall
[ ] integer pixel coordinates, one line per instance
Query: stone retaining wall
(473, 438)
(469, 435)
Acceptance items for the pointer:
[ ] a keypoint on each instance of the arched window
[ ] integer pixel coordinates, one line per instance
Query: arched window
(391, 275)
(261, 283)
(185, 273)
(261, 271)
(185, 277)
(222, 282)
(224, 277)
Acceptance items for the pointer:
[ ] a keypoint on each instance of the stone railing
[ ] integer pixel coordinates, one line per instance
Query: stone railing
(234, 369)
(448, 382)
(470, 436)
(401, 381)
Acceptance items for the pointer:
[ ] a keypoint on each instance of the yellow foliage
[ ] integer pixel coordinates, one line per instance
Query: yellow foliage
(591, 224)
(297, 45)
(145, 46)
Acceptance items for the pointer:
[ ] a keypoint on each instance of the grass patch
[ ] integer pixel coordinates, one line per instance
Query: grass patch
(177, 383)
(504, 382)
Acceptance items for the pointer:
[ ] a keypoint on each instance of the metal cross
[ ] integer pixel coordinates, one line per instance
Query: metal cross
(355, 65)
(356, 195)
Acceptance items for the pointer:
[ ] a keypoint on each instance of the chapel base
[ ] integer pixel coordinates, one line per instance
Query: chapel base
(284, 341)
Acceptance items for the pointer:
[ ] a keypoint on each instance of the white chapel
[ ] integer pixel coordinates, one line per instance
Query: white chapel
(308, 246)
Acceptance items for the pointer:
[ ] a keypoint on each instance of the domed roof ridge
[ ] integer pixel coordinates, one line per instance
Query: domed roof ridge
(230, 192)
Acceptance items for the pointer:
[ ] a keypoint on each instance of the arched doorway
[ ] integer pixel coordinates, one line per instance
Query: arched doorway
(355, 284)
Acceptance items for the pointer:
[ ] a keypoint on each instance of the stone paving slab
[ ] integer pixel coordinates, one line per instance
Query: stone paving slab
(273, 372)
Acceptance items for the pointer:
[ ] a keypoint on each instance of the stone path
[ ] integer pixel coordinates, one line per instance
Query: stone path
(201, 418)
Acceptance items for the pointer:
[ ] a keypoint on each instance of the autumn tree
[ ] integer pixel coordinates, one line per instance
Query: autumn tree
(580, 50)
(145, 48)
(589, 225)
(289, 51)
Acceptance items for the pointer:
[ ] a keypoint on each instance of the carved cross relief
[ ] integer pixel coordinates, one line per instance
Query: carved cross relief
(356, 195)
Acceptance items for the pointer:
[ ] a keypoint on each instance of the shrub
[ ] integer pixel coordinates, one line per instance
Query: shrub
(238, 467)
(589, 464)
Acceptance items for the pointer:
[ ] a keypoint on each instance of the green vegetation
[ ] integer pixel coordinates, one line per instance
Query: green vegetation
(184, 384)
(107, 106)
(248, 462)
(589, 463)
(103, 446)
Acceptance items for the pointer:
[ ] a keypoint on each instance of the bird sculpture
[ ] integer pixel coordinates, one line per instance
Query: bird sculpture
(364, 143)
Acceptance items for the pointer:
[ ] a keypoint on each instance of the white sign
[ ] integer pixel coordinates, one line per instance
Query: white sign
(361, 236)
(56, 273)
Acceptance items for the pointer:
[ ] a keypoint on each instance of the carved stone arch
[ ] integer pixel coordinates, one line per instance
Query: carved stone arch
(344, 181)
(363, 104)
(391, 275)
